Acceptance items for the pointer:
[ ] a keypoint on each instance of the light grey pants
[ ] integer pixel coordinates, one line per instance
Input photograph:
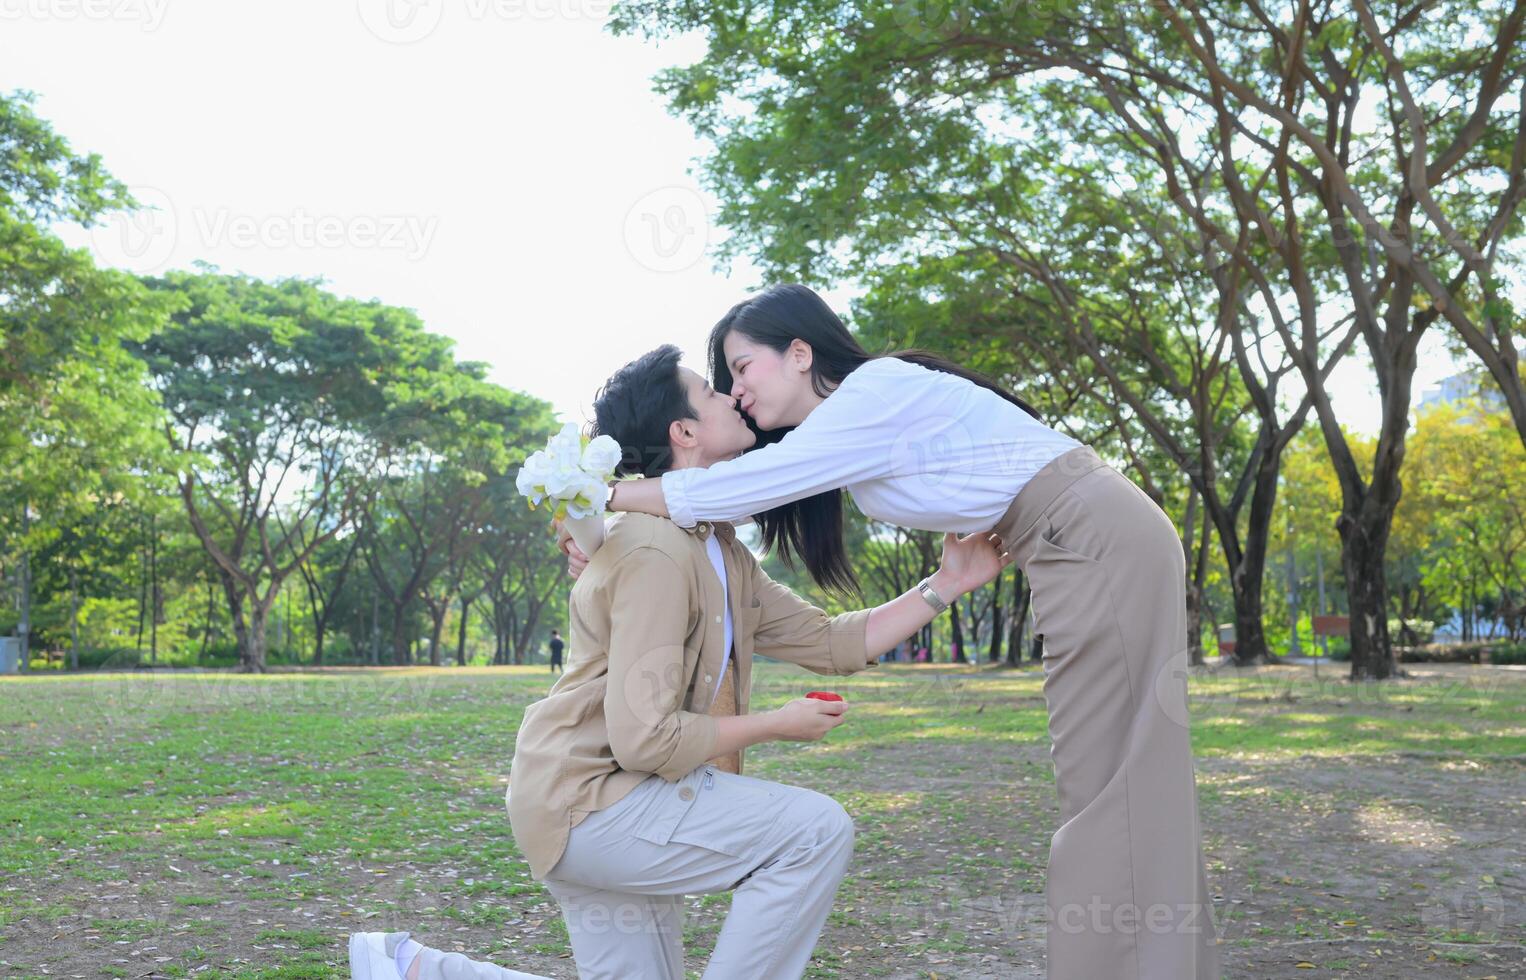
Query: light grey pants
(626, 870)
(621, 881)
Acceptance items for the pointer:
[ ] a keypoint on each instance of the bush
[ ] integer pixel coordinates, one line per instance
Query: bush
(1441, 653)
(225, 654)
(110, 658)
(1340, 648)
(1508, 653)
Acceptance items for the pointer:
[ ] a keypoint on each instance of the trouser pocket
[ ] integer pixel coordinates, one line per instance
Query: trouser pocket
(670, 805)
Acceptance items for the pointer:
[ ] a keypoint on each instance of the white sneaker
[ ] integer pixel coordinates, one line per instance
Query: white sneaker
(369, 959)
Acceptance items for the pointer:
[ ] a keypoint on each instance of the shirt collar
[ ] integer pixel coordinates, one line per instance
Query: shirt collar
(721, 529)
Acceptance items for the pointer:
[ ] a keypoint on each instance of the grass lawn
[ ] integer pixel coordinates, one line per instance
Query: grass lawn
(238, 826)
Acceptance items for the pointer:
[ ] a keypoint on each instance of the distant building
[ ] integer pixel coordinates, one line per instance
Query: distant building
(1475, 383)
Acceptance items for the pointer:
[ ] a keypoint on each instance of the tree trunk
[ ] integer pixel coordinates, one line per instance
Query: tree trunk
(259, 616)
(1250, 635)
(466, 605)
(206, 630)
(994, 654)
(495, 616)
(235, 599)
(1020, 599)
(534, 606)
(73, 619)
(1292, 567)
(1197, 566)
(1195, 655)
(1319, 571)
(399, 634)
(142, 599)
(958, 656)
(375, 629)
(437, 613)
(24, 625)
(156, 597)
(1247, 562)
(1364, 539)
(323, 606)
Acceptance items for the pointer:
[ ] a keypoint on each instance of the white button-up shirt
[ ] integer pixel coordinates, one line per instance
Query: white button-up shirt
(916, 447)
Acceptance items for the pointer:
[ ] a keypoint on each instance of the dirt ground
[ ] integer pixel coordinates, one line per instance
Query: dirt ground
(1317, 869)
(1402, 865)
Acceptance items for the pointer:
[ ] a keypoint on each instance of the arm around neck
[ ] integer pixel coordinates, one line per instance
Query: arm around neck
(639, 496)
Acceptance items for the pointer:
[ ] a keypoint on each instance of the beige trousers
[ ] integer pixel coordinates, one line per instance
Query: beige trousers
(1127, 892)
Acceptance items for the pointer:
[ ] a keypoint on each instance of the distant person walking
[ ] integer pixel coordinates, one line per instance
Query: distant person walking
(556, 651)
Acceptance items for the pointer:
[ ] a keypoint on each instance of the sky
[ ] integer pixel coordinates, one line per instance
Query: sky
(502, 167)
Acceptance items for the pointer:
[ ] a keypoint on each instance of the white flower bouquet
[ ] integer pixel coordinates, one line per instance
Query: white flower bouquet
(572, 475)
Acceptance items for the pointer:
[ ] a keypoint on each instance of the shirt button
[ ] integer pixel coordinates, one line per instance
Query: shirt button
(686, 794)
(707, 678)
(718, 619)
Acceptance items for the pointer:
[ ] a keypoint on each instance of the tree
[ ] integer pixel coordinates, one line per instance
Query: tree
(518, 564)
(324, 574)
(1317, 237)
(72, 407)
(1466, 514)
(273, 392)
(454, 436)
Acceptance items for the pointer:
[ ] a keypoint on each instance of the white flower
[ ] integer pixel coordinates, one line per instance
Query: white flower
(566, 447)
(591, 494)
(601, 457)
(563, 481)
(564, 472)
(532, 477)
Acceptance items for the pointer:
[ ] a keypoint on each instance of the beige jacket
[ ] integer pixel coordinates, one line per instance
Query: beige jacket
(645, 647)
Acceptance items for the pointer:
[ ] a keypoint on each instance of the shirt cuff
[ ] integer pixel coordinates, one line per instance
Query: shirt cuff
(675, 492)
(695, 746)
(848, 641)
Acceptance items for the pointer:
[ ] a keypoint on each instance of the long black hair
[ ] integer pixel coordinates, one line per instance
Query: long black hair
(812, 527)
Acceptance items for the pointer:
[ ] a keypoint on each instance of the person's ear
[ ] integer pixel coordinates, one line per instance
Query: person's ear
(801, 354)
(681, 433)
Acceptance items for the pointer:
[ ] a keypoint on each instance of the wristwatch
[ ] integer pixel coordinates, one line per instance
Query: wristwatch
(933, 599)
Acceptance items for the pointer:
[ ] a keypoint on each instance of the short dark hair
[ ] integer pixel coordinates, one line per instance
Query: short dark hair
(637, 405)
